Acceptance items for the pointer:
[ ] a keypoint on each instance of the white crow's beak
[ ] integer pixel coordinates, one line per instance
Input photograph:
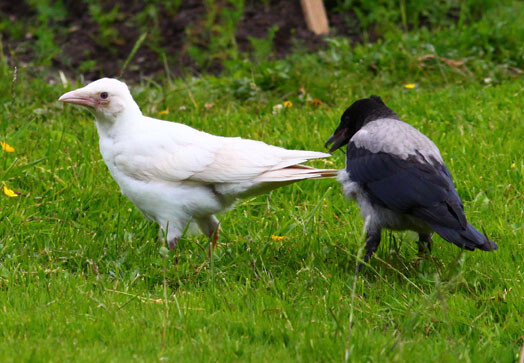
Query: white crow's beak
(78, 97)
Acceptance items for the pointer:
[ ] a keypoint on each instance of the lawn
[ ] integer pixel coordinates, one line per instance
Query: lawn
(82, 276)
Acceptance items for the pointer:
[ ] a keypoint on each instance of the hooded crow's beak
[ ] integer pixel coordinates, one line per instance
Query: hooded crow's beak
(338, 139)
(78, 97)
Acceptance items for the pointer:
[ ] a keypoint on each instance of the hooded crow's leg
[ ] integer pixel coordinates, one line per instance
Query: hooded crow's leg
(372, 242)
(424, 244)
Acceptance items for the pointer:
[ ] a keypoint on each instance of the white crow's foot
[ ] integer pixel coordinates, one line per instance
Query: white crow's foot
(172, 244)
(214, 241)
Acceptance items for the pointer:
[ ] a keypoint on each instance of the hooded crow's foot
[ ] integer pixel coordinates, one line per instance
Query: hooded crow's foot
(424, 244)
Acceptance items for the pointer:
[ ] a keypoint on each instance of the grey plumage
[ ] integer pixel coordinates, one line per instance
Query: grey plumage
(399, 180)
(397, 138)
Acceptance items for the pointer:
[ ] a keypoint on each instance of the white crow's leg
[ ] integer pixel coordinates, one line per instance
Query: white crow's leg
(210, 227)
(162, 237)
(173, 242)
(175, 230)
(424, 244)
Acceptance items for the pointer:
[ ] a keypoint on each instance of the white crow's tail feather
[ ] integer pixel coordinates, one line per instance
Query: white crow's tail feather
(293, 158)
(290, 169)
(295, 172)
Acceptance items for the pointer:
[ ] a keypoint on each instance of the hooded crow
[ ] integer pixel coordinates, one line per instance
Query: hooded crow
(399, 180)
(175, 174)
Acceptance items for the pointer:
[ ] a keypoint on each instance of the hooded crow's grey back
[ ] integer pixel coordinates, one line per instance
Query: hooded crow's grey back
(398, 178)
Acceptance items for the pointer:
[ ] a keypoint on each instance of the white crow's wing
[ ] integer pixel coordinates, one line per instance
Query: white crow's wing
(173, 152)
(241, 160)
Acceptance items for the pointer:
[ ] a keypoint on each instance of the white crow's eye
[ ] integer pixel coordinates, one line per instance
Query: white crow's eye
(104, 95)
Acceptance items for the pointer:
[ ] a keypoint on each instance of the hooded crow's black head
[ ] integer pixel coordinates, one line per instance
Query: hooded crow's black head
(357, 115)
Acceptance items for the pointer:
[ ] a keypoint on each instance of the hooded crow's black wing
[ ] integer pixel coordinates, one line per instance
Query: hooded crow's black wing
(412, 186)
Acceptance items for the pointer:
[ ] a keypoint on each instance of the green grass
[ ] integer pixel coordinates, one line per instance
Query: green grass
(81, 273)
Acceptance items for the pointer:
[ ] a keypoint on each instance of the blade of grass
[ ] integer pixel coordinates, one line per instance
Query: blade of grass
(132, 54)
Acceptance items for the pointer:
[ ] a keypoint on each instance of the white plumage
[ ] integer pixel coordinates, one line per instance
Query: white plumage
(175, 174)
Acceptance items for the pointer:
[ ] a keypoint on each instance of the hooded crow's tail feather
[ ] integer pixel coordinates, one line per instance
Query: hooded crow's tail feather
(469, 238)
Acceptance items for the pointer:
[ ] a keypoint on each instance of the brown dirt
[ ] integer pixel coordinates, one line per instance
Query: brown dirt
(79, 38)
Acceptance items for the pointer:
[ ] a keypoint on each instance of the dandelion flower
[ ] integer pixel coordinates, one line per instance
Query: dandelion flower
(288, 104)
(6, 147)
(410, 85)
(165, 112)
(277, 238)
(9, 192)
(315, 102)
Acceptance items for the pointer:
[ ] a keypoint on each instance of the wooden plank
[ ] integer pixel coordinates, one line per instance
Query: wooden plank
(315, 15)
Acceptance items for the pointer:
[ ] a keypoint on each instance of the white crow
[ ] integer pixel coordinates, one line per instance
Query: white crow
(175, 174)
(399, 180)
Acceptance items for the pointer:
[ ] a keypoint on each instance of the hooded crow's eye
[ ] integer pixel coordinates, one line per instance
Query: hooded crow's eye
(104, 95)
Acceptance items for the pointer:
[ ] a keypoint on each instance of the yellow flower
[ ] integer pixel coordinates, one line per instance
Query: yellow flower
(410, 85)
(6, 147)
(288, 104)
(277, 238)
(10, 193)
(165, 112)
(513, 165)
